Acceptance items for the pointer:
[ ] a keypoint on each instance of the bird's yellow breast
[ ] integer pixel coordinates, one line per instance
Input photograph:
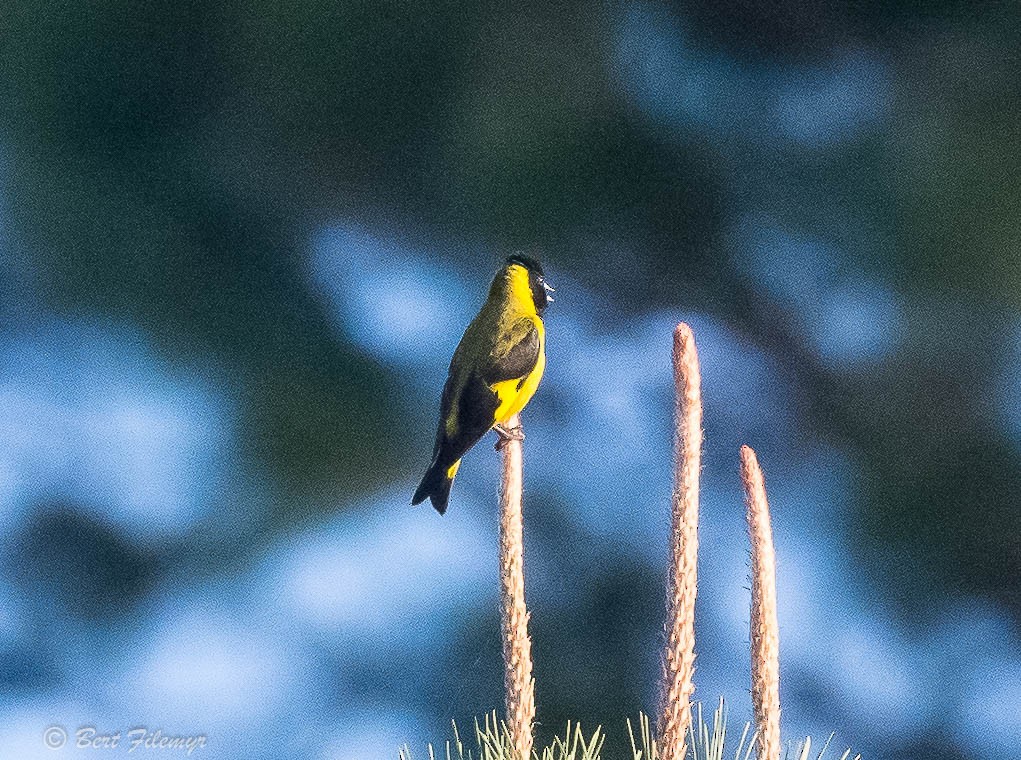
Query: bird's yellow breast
(515, 394)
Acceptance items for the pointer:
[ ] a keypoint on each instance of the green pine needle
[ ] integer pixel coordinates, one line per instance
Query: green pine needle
(706, 741)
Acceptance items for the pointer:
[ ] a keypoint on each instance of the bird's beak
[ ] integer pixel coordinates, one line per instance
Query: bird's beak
(549, 291)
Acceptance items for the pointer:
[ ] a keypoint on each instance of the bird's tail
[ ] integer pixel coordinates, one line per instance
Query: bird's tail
(436, 485)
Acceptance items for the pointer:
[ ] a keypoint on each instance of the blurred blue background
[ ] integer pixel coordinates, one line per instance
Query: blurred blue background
(240, 242)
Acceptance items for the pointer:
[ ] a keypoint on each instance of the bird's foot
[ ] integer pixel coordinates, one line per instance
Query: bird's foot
(507, 434)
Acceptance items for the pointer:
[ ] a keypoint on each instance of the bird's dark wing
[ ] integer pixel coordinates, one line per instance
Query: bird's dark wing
(516, 356)
(474, 405)
(475, 413)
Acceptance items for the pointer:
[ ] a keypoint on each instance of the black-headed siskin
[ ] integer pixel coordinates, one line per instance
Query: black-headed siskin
(494, 373)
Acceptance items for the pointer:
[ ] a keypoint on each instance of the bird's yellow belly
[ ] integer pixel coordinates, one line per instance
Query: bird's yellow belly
(513, 398)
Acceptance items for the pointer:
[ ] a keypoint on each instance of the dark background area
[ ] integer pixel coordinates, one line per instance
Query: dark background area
(220, 224)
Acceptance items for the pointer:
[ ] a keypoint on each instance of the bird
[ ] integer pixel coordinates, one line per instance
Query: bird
(493, 374)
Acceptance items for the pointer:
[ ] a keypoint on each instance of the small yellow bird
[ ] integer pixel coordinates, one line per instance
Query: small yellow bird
(495, 370)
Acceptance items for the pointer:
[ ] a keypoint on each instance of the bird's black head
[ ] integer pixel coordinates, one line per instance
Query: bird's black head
(536, 281)
(527, 262)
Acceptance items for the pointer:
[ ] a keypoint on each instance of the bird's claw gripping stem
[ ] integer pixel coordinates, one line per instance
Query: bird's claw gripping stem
(508, 434)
